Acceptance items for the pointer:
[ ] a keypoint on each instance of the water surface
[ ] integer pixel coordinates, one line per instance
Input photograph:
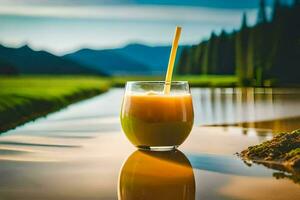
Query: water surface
(78, 152)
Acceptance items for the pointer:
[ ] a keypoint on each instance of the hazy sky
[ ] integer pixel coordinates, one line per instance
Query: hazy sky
(62, 26)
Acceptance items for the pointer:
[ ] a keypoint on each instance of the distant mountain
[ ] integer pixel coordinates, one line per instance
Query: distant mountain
(131, 59)
(27, 61)
(156, 58)
(108, 61)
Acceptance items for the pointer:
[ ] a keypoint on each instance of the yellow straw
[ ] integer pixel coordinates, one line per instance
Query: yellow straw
(172, 58)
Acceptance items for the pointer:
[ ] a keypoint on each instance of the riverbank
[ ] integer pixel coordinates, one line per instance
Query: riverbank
(26, 98)
(281, 153)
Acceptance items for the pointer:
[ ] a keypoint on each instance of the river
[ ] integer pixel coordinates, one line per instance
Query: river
(78, 152)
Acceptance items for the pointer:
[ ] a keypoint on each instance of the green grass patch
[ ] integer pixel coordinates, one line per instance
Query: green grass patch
(24, 98)
(194, 81)
(209, 80)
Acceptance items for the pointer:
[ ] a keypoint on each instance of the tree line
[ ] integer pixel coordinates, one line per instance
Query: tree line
(267, 53)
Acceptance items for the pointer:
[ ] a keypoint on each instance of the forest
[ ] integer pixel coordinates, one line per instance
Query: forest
(265, 54)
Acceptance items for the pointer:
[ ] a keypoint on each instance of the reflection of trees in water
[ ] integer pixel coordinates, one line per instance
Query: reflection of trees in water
(246, 107)
(230, 105)
(282, 173)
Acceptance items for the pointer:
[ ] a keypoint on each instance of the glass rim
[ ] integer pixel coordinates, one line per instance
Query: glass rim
(158, 82)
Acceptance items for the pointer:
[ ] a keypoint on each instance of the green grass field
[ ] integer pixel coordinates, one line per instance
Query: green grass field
(27, 97)
(194, 81)
(24, 98)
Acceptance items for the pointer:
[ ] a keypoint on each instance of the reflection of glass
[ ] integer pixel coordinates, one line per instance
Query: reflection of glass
(156, 121)
(157, 175)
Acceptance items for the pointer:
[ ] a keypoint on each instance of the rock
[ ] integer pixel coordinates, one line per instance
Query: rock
(280, 153)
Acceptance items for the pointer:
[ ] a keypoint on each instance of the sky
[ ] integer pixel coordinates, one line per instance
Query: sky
(63, 26)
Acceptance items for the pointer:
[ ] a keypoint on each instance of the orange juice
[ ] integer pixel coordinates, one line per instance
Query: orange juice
(154, 120)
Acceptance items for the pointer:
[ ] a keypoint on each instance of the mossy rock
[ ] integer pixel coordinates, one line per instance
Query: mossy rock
(281, 153)
(284, 148)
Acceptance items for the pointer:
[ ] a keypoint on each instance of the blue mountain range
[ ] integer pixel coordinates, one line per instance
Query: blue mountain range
(133, 59)
(25, 60)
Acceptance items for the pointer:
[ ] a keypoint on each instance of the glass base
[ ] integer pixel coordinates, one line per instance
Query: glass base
(157, 148)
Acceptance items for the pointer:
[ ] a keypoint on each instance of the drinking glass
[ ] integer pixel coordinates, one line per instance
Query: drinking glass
(152, 120)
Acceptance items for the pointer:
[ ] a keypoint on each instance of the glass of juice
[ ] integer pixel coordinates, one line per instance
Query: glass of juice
(154, 120)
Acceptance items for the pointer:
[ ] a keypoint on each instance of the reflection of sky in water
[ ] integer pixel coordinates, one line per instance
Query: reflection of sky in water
(231, 165)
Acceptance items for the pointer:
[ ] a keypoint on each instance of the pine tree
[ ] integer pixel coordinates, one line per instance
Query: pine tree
(223, 53)
(260, 48)
(191, 63)
(286, 60)
(226, 57)
(214, 58)
(198, 59)
(244, 21)
(181, 67)
(209, 56)
(258, 52)
(262, 16)
(276, 8)
(248, 73)
(243, 52)
(205, 61)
